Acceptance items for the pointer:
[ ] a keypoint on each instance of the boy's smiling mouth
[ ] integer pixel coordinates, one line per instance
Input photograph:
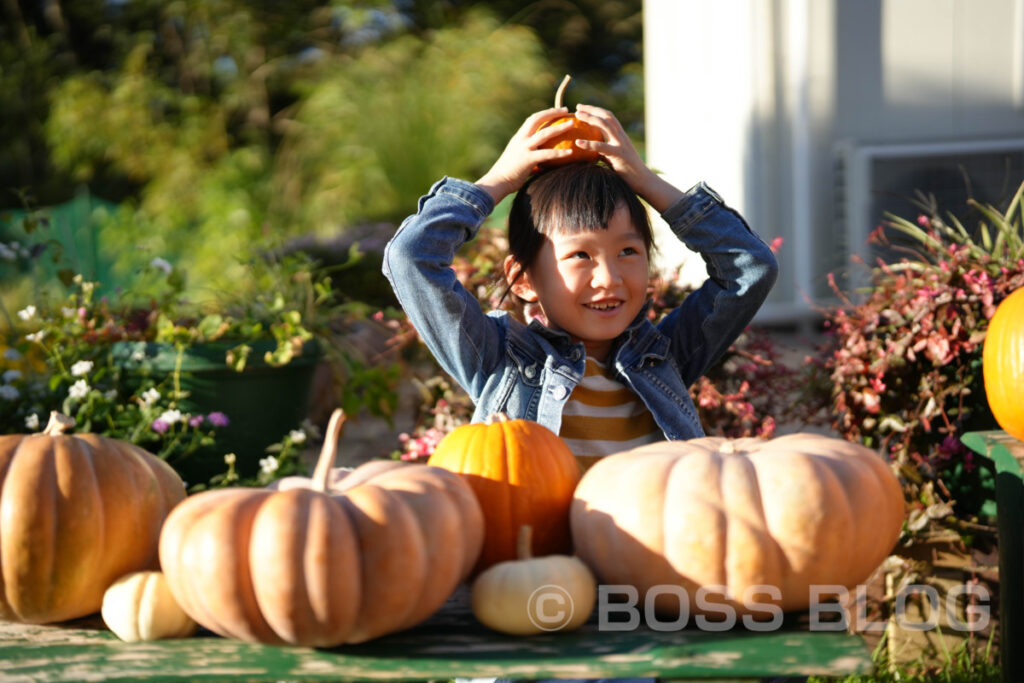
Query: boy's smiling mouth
(603, 305)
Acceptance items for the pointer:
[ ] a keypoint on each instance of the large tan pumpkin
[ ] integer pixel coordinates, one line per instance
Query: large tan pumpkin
(77, 511)
(379, 552)
(789, 513)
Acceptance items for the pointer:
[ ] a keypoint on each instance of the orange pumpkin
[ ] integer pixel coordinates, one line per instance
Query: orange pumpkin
(319, 566)
(77, 511)
(787, 513)
(567, 140)
(1003, 364)
(522, 474)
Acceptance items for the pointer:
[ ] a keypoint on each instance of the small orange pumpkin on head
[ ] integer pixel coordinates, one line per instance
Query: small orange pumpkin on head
(567, 140)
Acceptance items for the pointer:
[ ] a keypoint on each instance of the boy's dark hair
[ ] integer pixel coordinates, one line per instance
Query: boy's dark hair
(567, 200)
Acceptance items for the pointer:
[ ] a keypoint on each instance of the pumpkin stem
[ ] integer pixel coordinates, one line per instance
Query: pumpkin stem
(524, 542)
(495, 418)
(59, 423)
(322, 473)
(561, 90)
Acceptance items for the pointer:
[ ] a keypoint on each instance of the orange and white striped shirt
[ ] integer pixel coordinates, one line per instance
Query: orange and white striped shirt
(604, 416)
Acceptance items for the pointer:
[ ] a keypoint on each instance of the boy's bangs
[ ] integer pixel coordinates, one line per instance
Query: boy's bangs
(574, 203)
(582, 197)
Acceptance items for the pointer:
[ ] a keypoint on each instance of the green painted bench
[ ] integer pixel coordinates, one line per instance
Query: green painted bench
(1007, 453)
(449, 645)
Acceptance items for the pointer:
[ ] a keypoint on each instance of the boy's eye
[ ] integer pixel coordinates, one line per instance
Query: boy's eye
(579, 254)
(630, 251)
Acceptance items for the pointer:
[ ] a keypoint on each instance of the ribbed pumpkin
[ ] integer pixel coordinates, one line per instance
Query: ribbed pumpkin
(139, 606)
(320, 567)
(1003, 364)
(789, 513)
(77, 511)
(522, 474)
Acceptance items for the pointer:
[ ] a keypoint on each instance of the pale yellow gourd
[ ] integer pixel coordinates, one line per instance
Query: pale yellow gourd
(533, 595)
(139, 606)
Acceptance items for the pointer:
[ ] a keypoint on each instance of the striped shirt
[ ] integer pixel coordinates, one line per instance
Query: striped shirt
(604, 416)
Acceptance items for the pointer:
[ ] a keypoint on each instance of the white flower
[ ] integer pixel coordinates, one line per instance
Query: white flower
(150, 396)
(110, 395)
(297, 436)
(268, 465)
(81, 368)
(8, 392)
(36, 337)
(171, 416)
(27, 313)
(11, 375)
(69, 312)
(161, 264)
(32, 421)
(138, 355)
(229, 459)
(79, 389)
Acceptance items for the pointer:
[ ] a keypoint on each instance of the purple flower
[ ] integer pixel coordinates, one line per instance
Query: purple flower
(160, 426)
(218, 419)
(195, 421)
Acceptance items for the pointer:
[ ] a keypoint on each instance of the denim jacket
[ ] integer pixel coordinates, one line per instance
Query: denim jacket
(529, 371)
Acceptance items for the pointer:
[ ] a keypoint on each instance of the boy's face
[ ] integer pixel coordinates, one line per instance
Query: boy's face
(592, 284)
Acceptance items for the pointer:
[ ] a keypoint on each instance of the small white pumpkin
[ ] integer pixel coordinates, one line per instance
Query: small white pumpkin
(139, 606)
(533, 595)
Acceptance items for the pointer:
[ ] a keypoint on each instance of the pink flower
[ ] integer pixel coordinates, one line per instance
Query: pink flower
(872, 402)
(159, 426)
(218, 419)
(195, 421)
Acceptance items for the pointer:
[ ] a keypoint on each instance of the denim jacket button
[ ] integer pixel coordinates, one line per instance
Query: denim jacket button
(531, 371)
(559, 392)
(575, 355)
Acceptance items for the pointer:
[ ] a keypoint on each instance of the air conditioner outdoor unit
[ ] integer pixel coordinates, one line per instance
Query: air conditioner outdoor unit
(875, 179)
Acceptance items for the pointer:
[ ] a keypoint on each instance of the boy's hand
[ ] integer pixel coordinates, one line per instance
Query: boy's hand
(619, 152)
(523, 153)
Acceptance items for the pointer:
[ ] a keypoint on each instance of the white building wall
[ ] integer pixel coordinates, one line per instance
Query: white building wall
(755, 96)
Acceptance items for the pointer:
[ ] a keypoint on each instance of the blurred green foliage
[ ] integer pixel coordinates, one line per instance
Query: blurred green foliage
(220, 125)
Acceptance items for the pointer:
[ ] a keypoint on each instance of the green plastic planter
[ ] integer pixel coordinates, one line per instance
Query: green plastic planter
(263, 402)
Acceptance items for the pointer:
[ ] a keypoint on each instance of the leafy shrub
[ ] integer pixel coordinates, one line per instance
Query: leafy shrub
(218, 168)
(905, 364)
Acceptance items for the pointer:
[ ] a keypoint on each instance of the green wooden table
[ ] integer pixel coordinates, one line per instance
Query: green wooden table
(449, 645)
(1007, 453)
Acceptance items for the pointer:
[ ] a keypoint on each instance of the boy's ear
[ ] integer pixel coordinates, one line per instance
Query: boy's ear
(519, 280)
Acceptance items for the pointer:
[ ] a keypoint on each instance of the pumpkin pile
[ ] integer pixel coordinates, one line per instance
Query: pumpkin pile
(788, 513)
(319, 565)
(347, 556)
(77, 512)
